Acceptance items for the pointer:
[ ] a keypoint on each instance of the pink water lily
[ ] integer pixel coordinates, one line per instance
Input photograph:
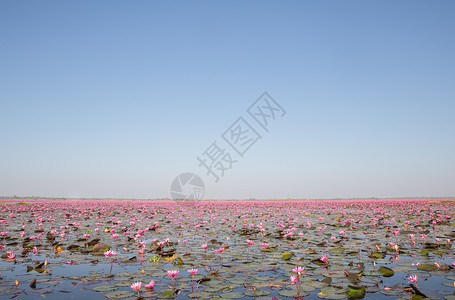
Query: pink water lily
(173, 274)
(109, 254)
(294, 280)
(413, 278)
(136, 287)
(192, 272)
(220, 250)
(150, 285)
(250, 243)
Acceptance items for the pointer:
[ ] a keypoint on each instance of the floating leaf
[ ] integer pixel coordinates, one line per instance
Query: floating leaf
(336, 250)
(324, 294)
(355, 292)
(256, 293)
(377, 255)
(119, 294)
(105, 288)
(231, 295)
(427, 267)
(291, 293)
(327, 280)
(203, 295)
(100, 247)
(424, 252)
(286, 255)
(386, 272)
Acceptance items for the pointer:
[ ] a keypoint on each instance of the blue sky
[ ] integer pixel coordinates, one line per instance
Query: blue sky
(115, 99)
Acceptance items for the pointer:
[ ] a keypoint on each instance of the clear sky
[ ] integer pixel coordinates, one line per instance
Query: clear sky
(115, 98)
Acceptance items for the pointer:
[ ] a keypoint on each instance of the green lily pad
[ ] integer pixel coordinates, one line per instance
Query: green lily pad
(355, 292)
(427, 267)
(105, 288)
(119, 294)
(336, 250)
(325, 294)
(392, 291)
(123, 283)
(231, 295)
(256, 293)
(202, 295)
(292, 293)
(213, 289)
(424, 252)
(286, 255)
(377, 255)
(386, 272)
(237, 281)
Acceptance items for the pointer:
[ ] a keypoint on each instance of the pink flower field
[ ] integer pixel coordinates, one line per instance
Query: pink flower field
(372, 249)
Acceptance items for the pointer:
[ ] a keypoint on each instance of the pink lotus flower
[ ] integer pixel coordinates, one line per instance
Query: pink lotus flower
(193, 271)
(136, 287)
(110, 253)
(413, 278)
(298, 270)
(324, 258)
(173, 274)
(219, 250)
(11, 255)
(151, 285)
(250, 242)
(141, 251)
(293, 279)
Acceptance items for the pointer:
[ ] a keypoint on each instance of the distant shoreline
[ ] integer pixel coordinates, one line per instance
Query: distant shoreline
(22, 199)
